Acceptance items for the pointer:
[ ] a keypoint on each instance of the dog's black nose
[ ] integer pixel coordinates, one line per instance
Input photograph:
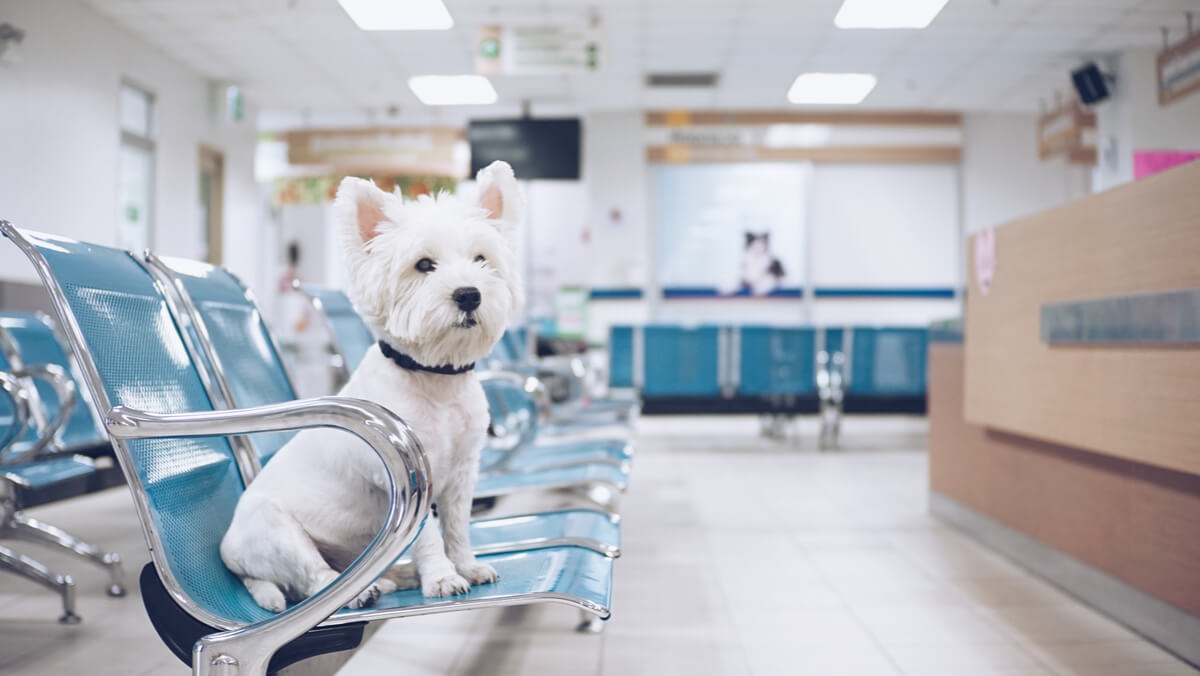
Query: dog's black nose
(467, 297)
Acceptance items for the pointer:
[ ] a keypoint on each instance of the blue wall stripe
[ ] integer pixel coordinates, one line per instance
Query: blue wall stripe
(855, 292)
(789, 292)
(616, 292)
(712, 292)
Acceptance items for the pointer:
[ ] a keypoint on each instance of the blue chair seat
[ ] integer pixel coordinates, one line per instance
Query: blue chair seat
(600, 531)
(560, 572)
(545, 454)
(490, 485)
(47, 472)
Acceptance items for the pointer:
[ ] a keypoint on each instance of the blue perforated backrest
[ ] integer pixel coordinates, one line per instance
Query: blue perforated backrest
(777, 360)
(681, 361)
(192, 485)
(515, 346)
(620, 356)
(25, 440)
(243, 346)
(888, 361)
(8, 425)
(512, 407)
(502, 353)
(350, 333)
(37, 343)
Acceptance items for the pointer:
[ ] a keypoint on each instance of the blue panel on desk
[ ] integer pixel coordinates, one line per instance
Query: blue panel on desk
(777, 360)
(888, 361)
(681, 361)
(620, 356)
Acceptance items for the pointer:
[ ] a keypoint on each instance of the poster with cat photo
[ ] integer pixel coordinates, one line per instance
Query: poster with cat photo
(730, 229)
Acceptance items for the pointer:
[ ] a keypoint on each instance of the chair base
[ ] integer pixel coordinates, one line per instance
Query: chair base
(32, 530)
(34, 571)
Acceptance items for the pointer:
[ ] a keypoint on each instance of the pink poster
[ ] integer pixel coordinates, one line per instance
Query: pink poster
(1146, 162)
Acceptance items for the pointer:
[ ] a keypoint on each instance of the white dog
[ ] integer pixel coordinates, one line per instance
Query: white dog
(438, 279)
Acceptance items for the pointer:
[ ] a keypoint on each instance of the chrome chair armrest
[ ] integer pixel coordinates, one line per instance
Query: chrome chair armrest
(248, 650)
(14, 390)
(64, 388)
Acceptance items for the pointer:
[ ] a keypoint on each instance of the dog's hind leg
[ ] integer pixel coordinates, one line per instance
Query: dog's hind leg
(267, 548)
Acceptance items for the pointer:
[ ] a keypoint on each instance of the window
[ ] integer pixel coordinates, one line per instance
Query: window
(135, 178)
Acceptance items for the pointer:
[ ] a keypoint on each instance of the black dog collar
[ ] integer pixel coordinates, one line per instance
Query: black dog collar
(409, 364)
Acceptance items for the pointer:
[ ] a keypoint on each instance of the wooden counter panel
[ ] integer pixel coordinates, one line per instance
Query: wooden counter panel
(1138, 403)
(1136, 522)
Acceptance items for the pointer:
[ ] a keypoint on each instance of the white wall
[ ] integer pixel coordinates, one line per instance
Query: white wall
(615, 170)
(1132, 120)
(883, 225)
(59, 138)
(1002, 176)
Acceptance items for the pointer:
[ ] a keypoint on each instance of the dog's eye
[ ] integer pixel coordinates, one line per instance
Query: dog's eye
(480, 259)
(426, 265)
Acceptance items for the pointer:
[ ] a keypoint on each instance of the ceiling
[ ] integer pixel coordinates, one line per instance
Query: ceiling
(305, 60)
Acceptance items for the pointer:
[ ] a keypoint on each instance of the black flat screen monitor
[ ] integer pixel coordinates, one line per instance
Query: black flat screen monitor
(536, 148)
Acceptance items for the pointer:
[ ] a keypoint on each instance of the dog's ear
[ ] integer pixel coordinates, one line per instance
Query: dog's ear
(500, 195)
(358, 209)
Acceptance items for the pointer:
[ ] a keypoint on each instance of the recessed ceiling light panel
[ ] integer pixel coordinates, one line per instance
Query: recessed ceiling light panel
(831, 88)
(453, 90)
(394, 15)
(887, 13)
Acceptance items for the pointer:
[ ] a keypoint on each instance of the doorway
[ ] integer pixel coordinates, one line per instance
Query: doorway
(212, 180)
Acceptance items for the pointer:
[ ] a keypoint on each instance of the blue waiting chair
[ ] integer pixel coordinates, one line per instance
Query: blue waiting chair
(27, 476)
(349, 335)
(515, 415)
(224, 329)
(31, 338)
(573, 411)
(173, 446)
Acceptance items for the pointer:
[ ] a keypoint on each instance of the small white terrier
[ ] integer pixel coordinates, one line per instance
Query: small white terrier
(438, 278)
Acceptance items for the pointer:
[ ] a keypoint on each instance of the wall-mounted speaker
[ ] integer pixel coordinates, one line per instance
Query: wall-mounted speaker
(1090, 83)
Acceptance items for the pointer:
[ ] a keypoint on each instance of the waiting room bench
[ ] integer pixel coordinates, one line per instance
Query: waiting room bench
(768, 369)
(47, 423)
(174, 447)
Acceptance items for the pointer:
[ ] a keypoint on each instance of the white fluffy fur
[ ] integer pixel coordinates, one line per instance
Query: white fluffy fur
(322, 498)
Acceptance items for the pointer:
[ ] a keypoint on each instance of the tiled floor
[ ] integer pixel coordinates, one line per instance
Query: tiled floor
(741, 556)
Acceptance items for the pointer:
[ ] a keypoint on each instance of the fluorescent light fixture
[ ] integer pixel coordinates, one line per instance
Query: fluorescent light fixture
(452, 90)
(887, 13)
(831, 88)
(398, 15)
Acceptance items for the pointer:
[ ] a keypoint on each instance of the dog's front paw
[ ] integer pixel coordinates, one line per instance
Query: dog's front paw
(478, 573)
(447, 585)
(370, 595)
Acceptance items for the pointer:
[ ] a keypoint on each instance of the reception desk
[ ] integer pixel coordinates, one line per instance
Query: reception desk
(1065, 422)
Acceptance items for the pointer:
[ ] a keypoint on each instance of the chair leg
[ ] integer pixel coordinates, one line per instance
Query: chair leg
(32, 570)
(33, 530)
(589, 623)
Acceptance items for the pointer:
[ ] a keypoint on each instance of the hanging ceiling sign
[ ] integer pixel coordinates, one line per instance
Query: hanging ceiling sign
(1179, 70)
(1068, 130)
(422, 150)
(705, 137)
(537, 50)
